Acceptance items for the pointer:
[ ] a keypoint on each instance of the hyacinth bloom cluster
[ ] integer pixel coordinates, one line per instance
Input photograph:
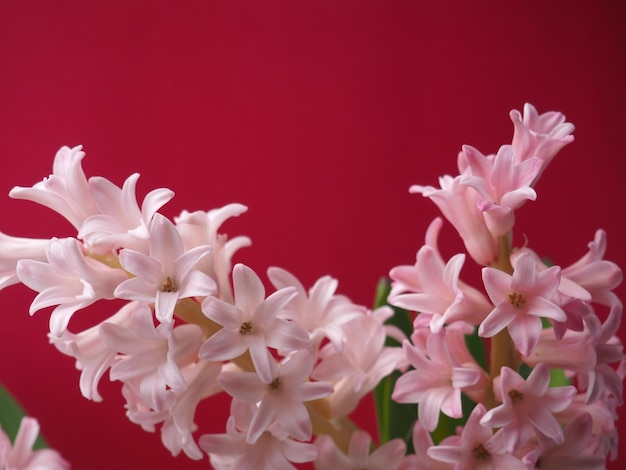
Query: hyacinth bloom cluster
(297, 360)
(547, 395)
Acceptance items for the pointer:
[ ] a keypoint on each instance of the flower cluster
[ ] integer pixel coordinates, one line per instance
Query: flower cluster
(297, 361)
(548, 396)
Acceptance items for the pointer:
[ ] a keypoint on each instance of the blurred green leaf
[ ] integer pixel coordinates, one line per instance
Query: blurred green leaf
(395, 420)
(476, 346)
(11, 414)
(558, 378)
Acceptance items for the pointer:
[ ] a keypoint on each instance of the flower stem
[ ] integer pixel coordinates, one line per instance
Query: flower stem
(339, 429)
(503, 352)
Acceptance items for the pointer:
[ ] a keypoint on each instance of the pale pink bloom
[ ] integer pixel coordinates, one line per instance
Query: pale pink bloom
(573, 299)
(176, 433)
(405, 278)
(528, 405)
(69, 279)
(320, 311)
(363, 361)
(140, 412)
(120, 223)
(65, 191)
(93, 356)
(177, 417)
(153, 356)
(385, 457)
(282, 399)
(521, 300)
(460, 205)
(13, 249)
(602, 414)
(167, 274)
(574, 453)
(201, 228)
(420, 460)
(539, 135)
(251, 324)
(21, 456)
(441, 292)
(603, 379)
(573, 352)
(502, 184)
(436, 381)
(476, 448)
(231, 451)
(595, 274)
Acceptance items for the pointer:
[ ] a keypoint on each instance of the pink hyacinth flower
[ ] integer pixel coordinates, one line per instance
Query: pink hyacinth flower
(201, 228)
(386, 457)
(361, 363)
(251, 324)
(319, 311)
(441, 293)
(13, 249)
(152, 356)
(476, 448)
(595, 274)
(577, 452)
(422, 441)
(21, 456)
(167, 274)
(65, 191)
(460, 205)
(231, 450)
(437, 381)
(521, 300)
(93, 356)
(502, 184)
(69, 279)
(528, 406)
(282, 399)
(539, 135)
(120, 221)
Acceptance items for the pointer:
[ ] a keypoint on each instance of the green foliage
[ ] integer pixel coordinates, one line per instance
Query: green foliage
(395, 420)
(11, 414)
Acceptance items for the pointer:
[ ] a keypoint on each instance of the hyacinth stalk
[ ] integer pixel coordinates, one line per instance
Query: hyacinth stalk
(297, 360)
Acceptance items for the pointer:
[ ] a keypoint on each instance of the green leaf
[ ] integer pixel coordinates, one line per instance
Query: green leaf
(558, 378)
(11, 414)
(476, 347)
(395, 420)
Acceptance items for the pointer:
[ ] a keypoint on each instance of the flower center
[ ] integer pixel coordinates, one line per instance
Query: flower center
(168, 285)
(516, 299)
(480, 452)
(245, 328)
(275, 384)
(515, 395)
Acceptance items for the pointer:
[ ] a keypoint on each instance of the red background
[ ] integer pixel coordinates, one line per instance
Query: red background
(318, 116)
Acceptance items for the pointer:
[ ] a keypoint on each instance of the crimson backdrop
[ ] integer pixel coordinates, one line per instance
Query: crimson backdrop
(318, 116)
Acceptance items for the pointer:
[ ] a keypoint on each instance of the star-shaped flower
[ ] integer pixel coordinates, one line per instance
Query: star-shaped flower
(521, 300)
(528, 405)
(167, 274)
(252, 323)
